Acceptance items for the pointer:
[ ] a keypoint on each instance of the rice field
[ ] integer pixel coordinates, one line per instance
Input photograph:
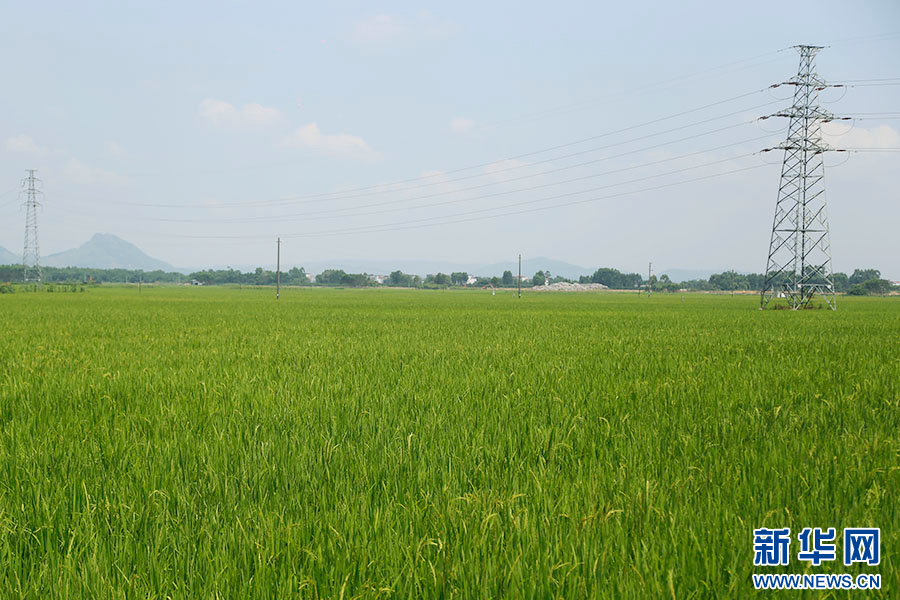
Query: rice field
(212, 443)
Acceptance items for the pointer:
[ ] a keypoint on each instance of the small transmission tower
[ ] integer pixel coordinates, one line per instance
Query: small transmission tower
(31, 255)
(799, 264)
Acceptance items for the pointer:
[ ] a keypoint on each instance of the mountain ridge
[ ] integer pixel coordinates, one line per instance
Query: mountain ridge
(8, 258)
(106, 251)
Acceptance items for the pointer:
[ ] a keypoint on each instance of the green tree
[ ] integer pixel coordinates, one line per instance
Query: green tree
(538, 279)
(507, 278)
(399, 278)
(442, 279)
(330, 277)
(841, 282)
(756, 281)
(613, 278)
(729, 280)
(355, 279)
(861, 275)
(459, 277)
(295, 276)
(664, 284)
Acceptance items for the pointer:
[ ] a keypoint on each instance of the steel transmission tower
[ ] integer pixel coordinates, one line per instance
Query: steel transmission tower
(799, 264)
(31, 255)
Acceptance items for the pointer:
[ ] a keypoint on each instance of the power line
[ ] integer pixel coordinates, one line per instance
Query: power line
(868, 80)
(574, 154)
(242, 239)
(532, 175)
(385, 188)
(542, 208)
(398, 225)
(640, 90)
(318, 215)
(12, 200)
(370, 191)
(329, 195)
(878, 37)
(882, 84)
(717, 71)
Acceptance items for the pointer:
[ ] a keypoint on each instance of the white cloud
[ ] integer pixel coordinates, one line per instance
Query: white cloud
(880, 136)
(461, 125)
(337, 144)
(503, 170)
(224, 114)
(435, 28)
(380, 28)
(79, 172)
(24, 144)
(383, 28)
(113, 149)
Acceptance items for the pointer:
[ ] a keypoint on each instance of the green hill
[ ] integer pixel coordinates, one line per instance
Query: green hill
(106, 251)
(8, 258)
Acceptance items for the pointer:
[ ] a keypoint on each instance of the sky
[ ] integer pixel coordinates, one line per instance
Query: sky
(601, 134)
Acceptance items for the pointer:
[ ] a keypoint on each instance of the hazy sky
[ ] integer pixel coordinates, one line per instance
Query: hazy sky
(201, 131)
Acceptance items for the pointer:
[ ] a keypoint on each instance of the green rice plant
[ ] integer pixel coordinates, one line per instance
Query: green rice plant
(204, 442)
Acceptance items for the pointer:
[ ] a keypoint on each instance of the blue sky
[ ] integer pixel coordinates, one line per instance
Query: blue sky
(201, 131)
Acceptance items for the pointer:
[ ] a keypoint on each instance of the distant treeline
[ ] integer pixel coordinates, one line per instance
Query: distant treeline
(14, 274)
(614, 279)
(861, 282)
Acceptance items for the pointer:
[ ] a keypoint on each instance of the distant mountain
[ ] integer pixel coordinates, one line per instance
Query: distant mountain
(106, 251)
(8, 258)
(530, 266)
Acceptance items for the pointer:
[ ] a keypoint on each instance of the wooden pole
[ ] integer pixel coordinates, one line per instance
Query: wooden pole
(519, 284)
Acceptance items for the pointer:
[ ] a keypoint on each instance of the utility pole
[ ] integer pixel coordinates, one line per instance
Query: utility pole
(278, 273)
(799, 262)
(31, 255)
(732, 283)
(649, 272)
(519, 284)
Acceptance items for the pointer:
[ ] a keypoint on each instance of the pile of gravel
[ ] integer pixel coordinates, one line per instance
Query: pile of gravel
(570, 287)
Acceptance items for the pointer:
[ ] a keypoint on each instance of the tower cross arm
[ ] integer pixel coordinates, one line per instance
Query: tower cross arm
(806, 112)
(812, 81)
(816, 147)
